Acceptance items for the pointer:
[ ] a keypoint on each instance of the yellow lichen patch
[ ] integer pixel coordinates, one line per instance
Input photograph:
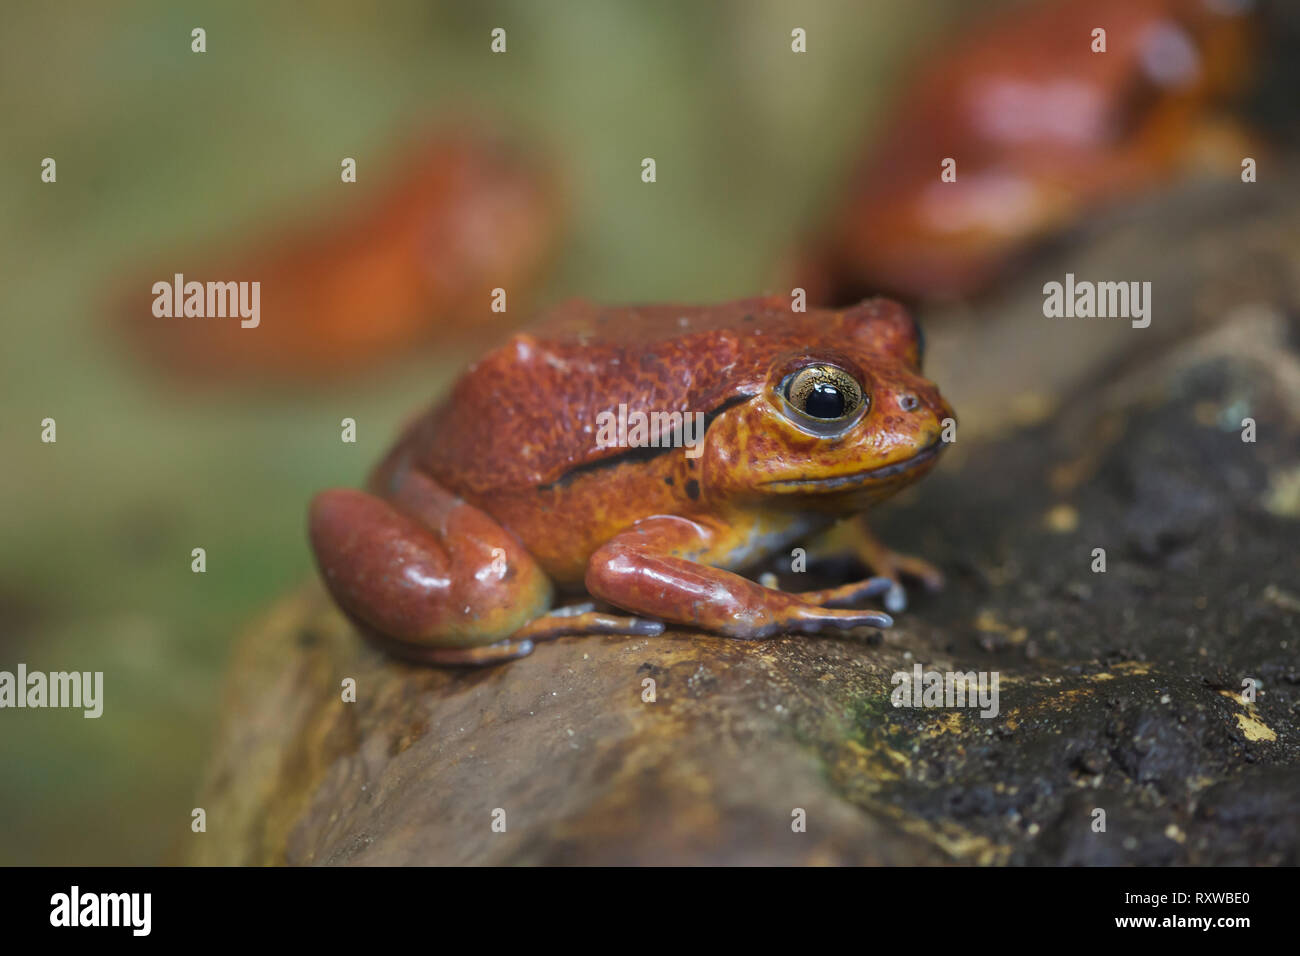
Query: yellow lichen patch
(971, 848)
(957, 842)
(989, 623)
(1128, 667)
(869, 765)
(1067, 697)
(1012, 716)
(1253, 728)
(949, 723)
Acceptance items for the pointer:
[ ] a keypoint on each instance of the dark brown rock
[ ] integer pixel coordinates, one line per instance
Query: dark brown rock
(1119, 691)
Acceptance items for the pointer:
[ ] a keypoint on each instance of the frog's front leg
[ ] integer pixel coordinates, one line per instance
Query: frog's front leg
(660, 567)
(431, 578)
(890, 566)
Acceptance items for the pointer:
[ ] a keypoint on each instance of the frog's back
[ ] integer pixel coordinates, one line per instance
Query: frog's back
(527, 413)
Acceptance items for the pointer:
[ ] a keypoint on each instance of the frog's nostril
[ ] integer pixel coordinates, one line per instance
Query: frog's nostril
(909, 403)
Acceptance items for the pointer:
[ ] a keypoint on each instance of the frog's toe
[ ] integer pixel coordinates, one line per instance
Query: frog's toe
(931, 577)
(919, 569)
(895, 564)
(822, 619)
(895, 598)
(575, 622)
(853, 593)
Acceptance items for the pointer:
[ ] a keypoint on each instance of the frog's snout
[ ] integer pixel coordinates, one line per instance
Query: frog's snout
(929, 401)
(927, 415)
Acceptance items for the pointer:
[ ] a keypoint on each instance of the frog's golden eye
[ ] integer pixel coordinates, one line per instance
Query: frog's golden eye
(824, 393)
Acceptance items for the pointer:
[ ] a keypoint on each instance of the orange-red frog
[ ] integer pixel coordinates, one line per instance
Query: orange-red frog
(402, 264)
(771, 425)
(1017, 130)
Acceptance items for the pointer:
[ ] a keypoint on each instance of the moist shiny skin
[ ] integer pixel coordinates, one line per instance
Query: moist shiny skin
(502, 493)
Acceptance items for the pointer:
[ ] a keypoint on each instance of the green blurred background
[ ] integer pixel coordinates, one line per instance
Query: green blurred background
(157, 146)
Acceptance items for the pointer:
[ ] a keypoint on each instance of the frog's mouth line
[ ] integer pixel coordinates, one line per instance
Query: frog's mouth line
(925, 455)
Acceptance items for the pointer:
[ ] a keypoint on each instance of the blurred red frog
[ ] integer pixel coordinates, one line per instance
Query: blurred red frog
(410, 260)
(1041, 130)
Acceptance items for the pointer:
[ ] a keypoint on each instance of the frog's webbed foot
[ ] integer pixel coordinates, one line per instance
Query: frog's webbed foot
(894, 567)
(820, 620)
(890, 567)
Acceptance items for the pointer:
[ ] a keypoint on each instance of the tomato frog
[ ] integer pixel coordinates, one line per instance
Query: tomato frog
(509, 492)
(1017, 130)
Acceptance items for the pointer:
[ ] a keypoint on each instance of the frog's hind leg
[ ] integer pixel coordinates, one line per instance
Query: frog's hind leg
(577, 621)
(426, 574)
(501, 651)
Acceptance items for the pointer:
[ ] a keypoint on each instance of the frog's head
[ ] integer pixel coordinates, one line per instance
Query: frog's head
(834, 425)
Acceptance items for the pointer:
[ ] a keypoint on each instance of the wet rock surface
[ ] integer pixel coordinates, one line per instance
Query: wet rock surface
(1120, 692)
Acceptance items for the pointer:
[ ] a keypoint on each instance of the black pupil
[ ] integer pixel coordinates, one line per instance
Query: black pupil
(825, 401)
